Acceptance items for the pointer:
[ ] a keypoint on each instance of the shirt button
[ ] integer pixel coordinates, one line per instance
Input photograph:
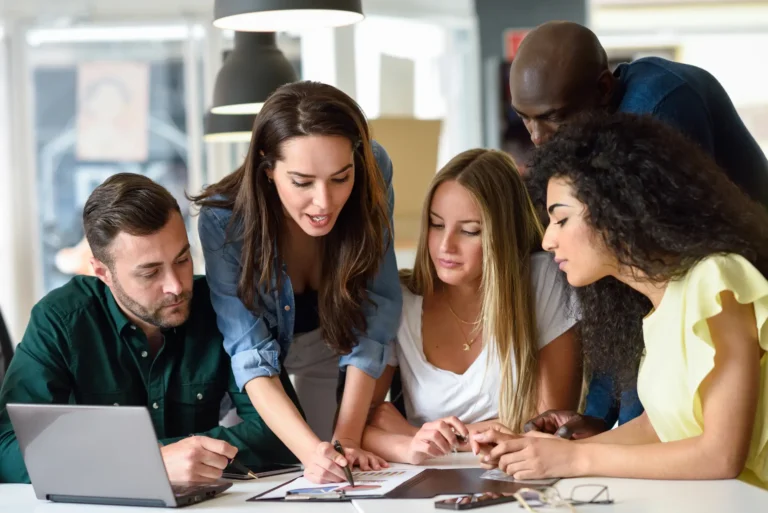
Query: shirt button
(287, 308)
(155, 405)
(199, 397)
(133, 327)
(144, 354)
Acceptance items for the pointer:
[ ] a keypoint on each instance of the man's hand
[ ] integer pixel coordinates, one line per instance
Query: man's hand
(566, 424)
(436, 439)
(197, 459)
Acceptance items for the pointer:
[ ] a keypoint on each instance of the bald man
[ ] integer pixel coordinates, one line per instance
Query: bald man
(560, 71)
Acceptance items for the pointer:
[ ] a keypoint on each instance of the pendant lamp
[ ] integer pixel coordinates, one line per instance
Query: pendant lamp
(228, 127)
(250, 73)
(281, 15)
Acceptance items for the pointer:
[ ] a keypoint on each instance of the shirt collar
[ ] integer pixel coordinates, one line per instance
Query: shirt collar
(121, 320)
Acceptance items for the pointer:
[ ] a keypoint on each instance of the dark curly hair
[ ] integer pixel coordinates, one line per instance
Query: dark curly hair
(660, 204)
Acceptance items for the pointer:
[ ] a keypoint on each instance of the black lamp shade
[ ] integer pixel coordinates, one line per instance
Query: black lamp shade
(228, 127)
(251, 72)
(281, 15)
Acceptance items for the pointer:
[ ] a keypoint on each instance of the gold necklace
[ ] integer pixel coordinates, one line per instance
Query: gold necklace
(467, 342)
(471, 323)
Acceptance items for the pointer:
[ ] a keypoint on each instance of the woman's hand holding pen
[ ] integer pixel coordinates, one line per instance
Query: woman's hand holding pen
(437, 438)
(325, 465)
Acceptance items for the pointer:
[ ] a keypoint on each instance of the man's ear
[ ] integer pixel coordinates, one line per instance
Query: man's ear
(606, 85)
(101, 271)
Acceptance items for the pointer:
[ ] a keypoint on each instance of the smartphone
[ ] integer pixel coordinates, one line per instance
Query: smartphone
(272, 470)
(477, 500)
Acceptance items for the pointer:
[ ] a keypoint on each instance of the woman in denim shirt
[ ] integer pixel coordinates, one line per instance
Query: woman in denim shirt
(307, 217)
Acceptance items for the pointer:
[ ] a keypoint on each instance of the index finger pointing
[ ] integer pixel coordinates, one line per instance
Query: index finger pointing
(508, 447)
(492, 436)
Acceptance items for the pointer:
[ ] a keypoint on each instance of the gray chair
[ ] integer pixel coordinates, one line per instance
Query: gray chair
(6, 348)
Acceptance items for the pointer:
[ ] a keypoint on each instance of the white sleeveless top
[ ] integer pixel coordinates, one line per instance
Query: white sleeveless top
(431, 393)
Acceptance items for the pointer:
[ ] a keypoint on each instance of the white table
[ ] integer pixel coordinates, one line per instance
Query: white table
(629, 495)
(15, 498)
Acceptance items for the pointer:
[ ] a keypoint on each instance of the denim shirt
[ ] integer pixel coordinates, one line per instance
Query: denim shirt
(257, 342)
(603, 403)
(693, 101)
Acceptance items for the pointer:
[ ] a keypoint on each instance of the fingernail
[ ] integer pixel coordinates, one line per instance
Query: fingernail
(474, 451)
(486, 459)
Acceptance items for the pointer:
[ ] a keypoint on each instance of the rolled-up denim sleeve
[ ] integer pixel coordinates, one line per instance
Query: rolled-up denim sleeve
(382, 313)
(247, 339)
(601, 399)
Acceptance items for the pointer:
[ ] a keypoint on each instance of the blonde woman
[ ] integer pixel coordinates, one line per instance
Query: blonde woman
(486, 336)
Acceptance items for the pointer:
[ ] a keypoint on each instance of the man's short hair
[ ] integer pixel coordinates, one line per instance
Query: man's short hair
(125, 202)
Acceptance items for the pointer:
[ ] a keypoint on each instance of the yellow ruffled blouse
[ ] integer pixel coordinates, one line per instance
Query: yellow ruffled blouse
(679, 353)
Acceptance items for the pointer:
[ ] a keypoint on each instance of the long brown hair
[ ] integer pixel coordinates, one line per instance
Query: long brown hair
(351, 252)
(511, 232)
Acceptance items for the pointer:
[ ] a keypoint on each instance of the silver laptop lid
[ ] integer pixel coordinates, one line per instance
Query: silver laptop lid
(91, 451)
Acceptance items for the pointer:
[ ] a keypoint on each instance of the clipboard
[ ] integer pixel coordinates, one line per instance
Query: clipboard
(426, 485)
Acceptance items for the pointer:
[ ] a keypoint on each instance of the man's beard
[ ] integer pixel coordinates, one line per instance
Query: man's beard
(154, 315)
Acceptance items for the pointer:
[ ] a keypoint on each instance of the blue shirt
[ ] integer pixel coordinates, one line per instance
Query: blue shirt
(694, 102)
(257, 342)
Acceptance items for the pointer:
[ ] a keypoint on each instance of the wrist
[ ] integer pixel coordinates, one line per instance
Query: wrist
(349, 438)
(581, 462)
(306, 447)
(348, 442)
(402, 448)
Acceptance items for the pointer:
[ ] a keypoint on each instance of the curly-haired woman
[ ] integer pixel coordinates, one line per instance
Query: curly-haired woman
(671, 260)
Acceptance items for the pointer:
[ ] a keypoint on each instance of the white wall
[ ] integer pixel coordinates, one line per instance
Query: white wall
(7, 288)
(728, 39)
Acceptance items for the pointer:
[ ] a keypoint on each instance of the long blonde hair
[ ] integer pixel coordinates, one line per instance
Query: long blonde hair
(511, 233)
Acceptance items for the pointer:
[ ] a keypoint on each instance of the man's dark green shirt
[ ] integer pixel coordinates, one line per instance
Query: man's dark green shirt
(79, 348)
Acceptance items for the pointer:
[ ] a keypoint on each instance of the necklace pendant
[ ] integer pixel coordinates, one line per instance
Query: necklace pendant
(465, 347)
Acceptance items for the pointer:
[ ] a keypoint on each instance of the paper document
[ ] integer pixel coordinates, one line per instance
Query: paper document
(372, 483)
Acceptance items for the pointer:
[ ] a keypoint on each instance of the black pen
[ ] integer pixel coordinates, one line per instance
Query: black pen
(242, 468)
(347, 470)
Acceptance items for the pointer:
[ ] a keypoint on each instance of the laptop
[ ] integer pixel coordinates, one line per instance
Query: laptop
(99, 455)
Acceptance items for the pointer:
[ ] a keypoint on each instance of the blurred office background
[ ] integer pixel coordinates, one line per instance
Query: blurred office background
(89, 88)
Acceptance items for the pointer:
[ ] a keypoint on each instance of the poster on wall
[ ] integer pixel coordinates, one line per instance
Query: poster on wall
(68, 171)
(112, 111)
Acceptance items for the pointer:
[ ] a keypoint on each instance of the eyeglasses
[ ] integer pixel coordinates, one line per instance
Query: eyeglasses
(580, 495)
